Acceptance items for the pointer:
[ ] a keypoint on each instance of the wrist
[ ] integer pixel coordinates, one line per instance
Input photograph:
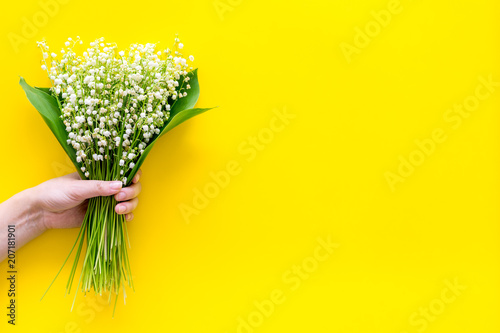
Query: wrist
(33, 211)
(24, 213)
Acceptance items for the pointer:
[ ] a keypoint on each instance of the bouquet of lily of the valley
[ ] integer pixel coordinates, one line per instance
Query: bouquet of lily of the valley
(107, 108)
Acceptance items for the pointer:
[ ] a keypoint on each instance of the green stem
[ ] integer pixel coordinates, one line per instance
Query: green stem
(106, 266)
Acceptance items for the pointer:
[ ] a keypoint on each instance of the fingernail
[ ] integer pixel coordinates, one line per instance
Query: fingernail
(120, 196)
(121, 209)
(114, 186)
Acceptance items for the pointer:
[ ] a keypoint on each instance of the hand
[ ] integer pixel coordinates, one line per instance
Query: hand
(63, 201)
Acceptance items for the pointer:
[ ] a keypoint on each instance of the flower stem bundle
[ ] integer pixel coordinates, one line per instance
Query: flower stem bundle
(107, 108)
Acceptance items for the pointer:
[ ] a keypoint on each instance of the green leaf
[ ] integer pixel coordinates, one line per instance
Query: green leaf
(45, 90)
(48, 107)
(178, 119)
(193, 94)
(181, 110)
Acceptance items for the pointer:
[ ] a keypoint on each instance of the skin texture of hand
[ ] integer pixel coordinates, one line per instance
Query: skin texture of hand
(60, 203)
(64, 199)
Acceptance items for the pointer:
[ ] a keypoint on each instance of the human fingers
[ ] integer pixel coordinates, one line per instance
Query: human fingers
(126, 206)
(137, 177)
(129, 192)
(85, 189)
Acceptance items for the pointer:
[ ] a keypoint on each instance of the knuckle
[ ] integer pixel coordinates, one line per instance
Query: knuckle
(129, 193)
(99, 186)
(74, 191)
(134, 202)
(137, 188)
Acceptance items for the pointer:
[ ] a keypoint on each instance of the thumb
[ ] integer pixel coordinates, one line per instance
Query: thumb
(96, 188)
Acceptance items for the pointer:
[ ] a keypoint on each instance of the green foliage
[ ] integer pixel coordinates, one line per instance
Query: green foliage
(49, 108)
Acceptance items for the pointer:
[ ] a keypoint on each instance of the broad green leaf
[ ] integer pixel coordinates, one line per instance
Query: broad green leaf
(178, 119)
(48, 107)
(181, 111)
(193, 94)
(45, 90)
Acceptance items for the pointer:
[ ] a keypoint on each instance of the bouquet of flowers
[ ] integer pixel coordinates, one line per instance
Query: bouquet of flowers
(107, 108)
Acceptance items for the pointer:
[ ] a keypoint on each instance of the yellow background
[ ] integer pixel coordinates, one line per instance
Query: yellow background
(322, 176)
